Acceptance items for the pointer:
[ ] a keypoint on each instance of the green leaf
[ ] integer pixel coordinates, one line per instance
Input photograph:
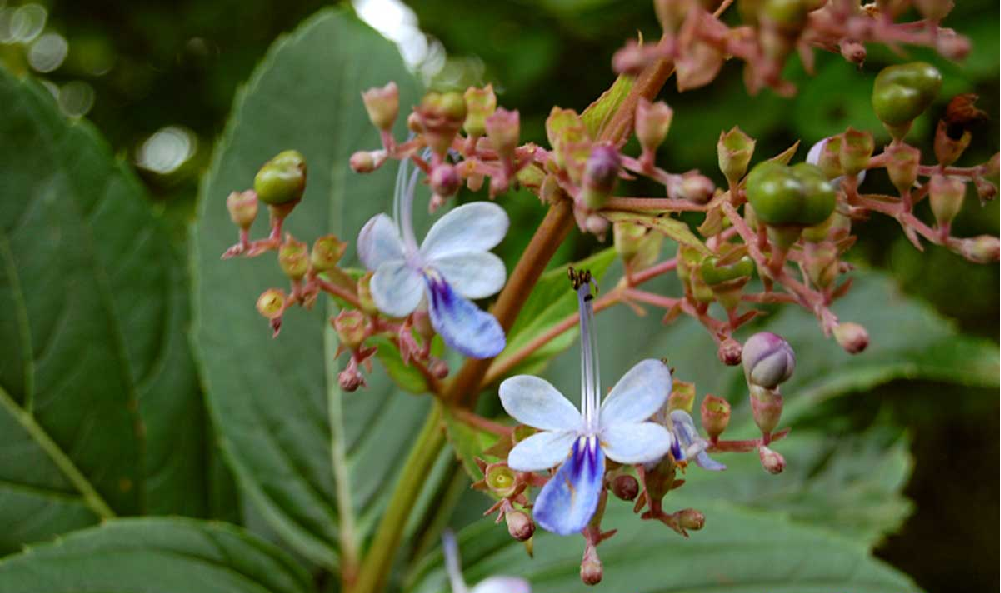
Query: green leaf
(315, 461)
(551, 301)
(154, 556)
(671, 228)
(100, 409)
(598, 113)
(467, 442)
(736, 551)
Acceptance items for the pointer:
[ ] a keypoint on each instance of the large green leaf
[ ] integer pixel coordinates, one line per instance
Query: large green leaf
(737, 551)
(316, 462)
(154, 556)
(100, 410)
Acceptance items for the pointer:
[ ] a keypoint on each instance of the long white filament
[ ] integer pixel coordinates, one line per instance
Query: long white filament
(451, 551)
(403, 204)
(590, 384)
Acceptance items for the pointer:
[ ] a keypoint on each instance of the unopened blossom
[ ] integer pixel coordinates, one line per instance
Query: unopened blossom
(452, 265)
(493, 584)
(617, 428)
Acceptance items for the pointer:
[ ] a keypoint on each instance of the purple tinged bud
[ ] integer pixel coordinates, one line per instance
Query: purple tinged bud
(503, 129)
(293, 258)
(768, 360)
(271, 303)
(653, 120)
(242, 208)
(771, 461)
(350, 379)
(852, 337)
(519, 525)
(766, 408)
(382, 105)
(691, 519)
(729, 352)
(590, 566)
(352, 328)
(946, 197)
(625, 487)
(600, 175)
(445, 180)
(715, 415)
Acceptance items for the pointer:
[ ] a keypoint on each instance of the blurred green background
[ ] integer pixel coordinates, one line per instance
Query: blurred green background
(158, 78)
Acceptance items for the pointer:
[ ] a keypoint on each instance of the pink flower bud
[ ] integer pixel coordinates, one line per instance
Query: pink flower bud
(352, 327)
(983, 250)
(902, 166)
(519, 525)
(365, 161)
(445, 180)
(503, 129)
(696, 187)
(242, 208)
(852, 337)
(945, 194)
(986, 190)
(729, 352)
(771, 461)
(590, 566)
(766, 408)
(382, 105)
(350, 379)
(653, 120)
(600, 174)
(625, 487)
(438, 368)
(952, 45)
(768, 360)
(715, 415)
(853, 51)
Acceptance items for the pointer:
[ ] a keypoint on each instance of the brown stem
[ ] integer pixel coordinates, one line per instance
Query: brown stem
(479, 422)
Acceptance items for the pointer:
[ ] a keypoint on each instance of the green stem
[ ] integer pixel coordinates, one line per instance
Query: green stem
(379, 560)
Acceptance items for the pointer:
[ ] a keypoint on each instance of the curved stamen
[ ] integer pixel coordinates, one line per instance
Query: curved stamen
(451, 551)
(403, 205)
(590, 376)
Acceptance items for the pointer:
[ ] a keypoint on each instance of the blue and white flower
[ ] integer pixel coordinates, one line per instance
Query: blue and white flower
(691, 445)
(617, 428)
(494, 584)
(451, 266)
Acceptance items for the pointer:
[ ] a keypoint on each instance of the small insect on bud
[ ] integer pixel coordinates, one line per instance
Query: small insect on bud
(271, 303)
(352, 328)
(715, 415)
(771, 461)
(504, 129)
(983, 250)
(500, 479)
(769, 361)
(600, 174)
(945, 194)
(856, 150)
(590, 566)
(382, 105)
(852, 337)
(902, 166)
(293, 258)
(902, 92)
(682, 396)
(242, 206)
(691, 519)
(282, 180)
(480, 104)
(625, 487)
(696, 187)
(733, 151)
(729, 352)
(365, 161)
(653, 120)
(766, 408)
(519, 525)
(327, 251)
(445, 180)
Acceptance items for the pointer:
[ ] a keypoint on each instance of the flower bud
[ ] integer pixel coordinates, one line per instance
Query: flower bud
(382, 105)
(271, 303)
(480, 104)
(365, 161)
(600, 175)
(500, 479)
(733, 151)
(852, 337)
(352, 328)
(625, 487)
(350, 379)
(902, 92)
(596, 225)
(798, 196)
(242, 208)
(293, 258)
(691, 519)
(766, 408)
(821, 265)
(590, 566)
(902, 166)
(947, 148)
(504, 128)
(564, 129)
(282, 180)
(952, 45)
(519, 525)
(414, 123)
(365, 294)
(986, 190)
(715, 415)
(445, 180)
(653, 120)
(946, 197)
(982, 250)
(682, 396)
(829, 159)
(637, 245)
(441, 115)
(769, 361)
(853, 51)
(771, 461)
(438, 368)
(856, 150)
(327, 251)
(698, 65)
(696, 187)
(531, 177)
(729, 352)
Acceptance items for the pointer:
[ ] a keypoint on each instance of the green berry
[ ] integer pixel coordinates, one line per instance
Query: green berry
(282, 180)
(798, 196)
(903, 92)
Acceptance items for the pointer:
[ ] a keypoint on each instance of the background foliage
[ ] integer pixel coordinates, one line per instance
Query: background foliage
(87, 242)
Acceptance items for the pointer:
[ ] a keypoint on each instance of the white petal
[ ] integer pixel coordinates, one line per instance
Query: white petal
(474, 275)
(502, 585)
(397, 288)
(638, 394)
(379, 241)
(541, 451)
(813, 156)
(472, 227)
(635, 443)
(535, 402)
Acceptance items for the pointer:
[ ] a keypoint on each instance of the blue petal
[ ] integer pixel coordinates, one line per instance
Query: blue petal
(568, 500)
(460, 323)
(684, 431)
(708, 463)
